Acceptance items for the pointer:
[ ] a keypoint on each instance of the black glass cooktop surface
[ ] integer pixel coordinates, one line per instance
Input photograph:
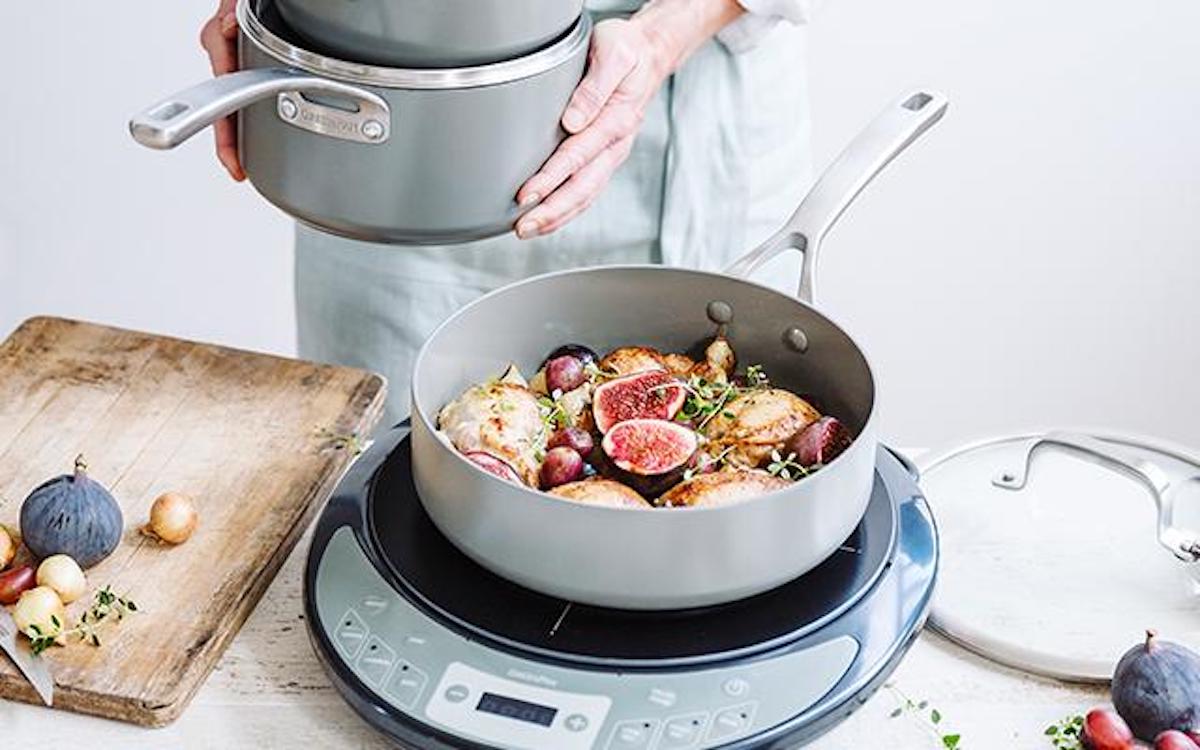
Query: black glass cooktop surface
(422, 564)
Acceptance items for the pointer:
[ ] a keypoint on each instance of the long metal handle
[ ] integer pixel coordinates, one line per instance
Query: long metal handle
(881, 141)
(1182, 543)
(177, 118)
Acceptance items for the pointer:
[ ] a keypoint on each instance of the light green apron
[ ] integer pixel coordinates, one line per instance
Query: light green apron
(720, 162)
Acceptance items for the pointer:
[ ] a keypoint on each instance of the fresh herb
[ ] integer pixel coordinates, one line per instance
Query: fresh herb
(1066, 733)
(554, 415)
(106, 607)
(596, 374)
(756, 378)
(930, 718)
(785, 467)
(706, 399)
(340, 441)
(707, 462)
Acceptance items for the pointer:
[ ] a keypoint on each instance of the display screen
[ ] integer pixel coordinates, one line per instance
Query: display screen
(515, 709)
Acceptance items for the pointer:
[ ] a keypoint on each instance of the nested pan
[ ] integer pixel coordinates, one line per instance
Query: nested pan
(430, 33)
(681, 557)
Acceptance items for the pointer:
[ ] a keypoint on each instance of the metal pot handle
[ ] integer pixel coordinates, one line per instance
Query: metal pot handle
(881, 141)
(1181, 543)
(177, 118)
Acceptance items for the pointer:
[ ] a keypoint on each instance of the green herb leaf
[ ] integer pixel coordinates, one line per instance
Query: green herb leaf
(935, 716)
(951, 741)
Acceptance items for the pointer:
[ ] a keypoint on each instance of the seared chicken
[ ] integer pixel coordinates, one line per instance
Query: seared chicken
(630, 359)
(577, 405)
(679, 364)
(753, 424)
(600, 492)
(719, 362)
(722, 488)
(501, 419)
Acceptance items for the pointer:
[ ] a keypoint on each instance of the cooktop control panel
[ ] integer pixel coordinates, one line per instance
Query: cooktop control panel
(445, 680)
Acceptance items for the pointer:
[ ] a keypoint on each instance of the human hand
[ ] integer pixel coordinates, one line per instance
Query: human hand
(218, 37)
(603, 118)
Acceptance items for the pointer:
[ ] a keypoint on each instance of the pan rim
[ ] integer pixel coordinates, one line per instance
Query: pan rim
(867, 430)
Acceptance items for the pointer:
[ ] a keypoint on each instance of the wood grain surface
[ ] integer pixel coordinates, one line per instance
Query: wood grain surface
(244, 434)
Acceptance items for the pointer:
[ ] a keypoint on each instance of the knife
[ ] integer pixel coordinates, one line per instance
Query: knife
(34, 667)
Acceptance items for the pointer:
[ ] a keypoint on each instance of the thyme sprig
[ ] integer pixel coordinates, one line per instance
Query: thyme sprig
(706, 399)
(106, 607)
(1066, 733)
(929, 717)
(786, 467)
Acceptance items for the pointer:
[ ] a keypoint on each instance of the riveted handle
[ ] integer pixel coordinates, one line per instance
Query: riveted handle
(1182, 543)
(173, 120)
(890, 133)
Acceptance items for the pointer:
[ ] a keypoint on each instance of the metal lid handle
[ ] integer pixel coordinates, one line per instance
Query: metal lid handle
(1182, 543)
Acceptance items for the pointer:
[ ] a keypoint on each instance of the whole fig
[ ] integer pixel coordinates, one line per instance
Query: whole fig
(72, 515)
(1156, 687)
(1103, 729)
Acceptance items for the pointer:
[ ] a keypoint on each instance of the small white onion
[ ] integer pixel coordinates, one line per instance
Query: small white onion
(8, 548)
(173, 517)
(63, 574)
(40, 606)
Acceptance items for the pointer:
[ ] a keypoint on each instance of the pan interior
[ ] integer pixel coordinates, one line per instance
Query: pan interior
(430, 570)
(665, 308)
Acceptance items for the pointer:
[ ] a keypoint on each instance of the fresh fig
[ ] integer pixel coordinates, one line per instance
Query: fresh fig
(562, 465)
(1103, 729)
(1156, 687)
(564, 374)
(494, 466)
(1173, 739)
(655, 394)
(72, 515)
(580, 352)
(818, 443)
(649, 447)
(572, 437)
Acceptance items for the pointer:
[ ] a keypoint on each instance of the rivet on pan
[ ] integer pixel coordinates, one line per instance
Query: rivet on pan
(719, 312)
(795, 339)
(287, 108)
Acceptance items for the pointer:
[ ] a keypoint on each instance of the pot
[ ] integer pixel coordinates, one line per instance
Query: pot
(680, 557)
(391, 155)
(430, 33)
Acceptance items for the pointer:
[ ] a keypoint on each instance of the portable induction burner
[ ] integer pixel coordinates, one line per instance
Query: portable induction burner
(437, 652)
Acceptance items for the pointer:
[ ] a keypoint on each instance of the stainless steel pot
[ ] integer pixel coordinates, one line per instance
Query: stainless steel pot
(381, 154)
(682, 557)
(430, 33)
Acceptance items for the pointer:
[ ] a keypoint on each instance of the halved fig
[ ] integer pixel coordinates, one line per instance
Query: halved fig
(819, 443)
(494, 466)
(655, 394)
(649, 447)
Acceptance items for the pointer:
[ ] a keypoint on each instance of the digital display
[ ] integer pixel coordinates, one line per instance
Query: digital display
(515, 709)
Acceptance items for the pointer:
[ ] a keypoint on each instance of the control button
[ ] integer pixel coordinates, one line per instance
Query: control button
(576, 722)
(683, 731)
(414, 640)
(406, 684)
(350, 634)
(375, 660)
(457, 693)
(373, 605)
(632, 735)
(664, 698)
(736, 687)
(732, 720)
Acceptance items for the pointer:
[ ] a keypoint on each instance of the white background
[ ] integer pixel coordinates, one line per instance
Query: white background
(1031, 262)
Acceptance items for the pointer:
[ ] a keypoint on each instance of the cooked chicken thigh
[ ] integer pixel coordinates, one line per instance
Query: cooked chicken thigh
(501, 419)
(627, 360)
(722, 488)
(753, 424)
(719, 362)
(600, 492)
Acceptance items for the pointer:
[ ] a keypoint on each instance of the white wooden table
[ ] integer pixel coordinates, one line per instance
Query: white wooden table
(269, 691)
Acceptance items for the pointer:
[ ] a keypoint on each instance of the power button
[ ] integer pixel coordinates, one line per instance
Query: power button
(735, 687)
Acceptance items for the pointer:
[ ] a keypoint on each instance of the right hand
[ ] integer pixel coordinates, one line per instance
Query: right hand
(219, 40)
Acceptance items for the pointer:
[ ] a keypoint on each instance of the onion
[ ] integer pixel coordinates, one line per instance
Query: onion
(40, 606)
(8, 548)
(172, 518)
(63, 574)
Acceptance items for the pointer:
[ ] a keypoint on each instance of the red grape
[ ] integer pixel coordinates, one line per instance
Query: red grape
(1103, 729)
(562, 465)
(564, 374)
(573, 437)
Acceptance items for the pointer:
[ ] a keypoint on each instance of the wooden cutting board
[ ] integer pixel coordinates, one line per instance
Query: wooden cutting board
(242, 433)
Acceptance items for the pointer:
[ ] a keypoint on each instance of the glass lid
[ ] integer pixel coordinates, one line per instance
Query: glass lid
(1059, 550)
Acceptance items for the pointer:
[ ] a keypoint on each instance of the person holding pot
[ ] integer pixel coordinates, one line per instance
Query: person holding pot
(688, 143)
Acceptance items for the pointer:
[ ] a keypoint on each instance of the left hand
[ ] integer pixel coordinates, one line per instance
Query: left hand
(603, 118)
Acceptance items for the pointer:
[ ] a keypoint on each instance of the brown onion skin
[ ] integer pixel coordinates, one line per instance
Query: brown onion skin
(173, 518)
(15, 582)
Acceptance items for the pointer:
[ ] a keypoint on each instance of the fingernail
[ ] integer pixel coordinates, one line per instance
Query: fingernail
(528, 228)
(228, 22)
(573, 119)
(529, 200)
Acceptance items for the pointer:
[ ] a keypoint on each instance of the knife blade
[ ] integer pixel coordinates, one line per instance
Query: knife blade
(34, 667)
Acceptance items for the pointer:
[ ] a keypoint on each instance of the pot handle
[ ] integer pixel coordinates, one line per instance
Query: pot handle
(1182, 543)
(177, 118)
(881, 141)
